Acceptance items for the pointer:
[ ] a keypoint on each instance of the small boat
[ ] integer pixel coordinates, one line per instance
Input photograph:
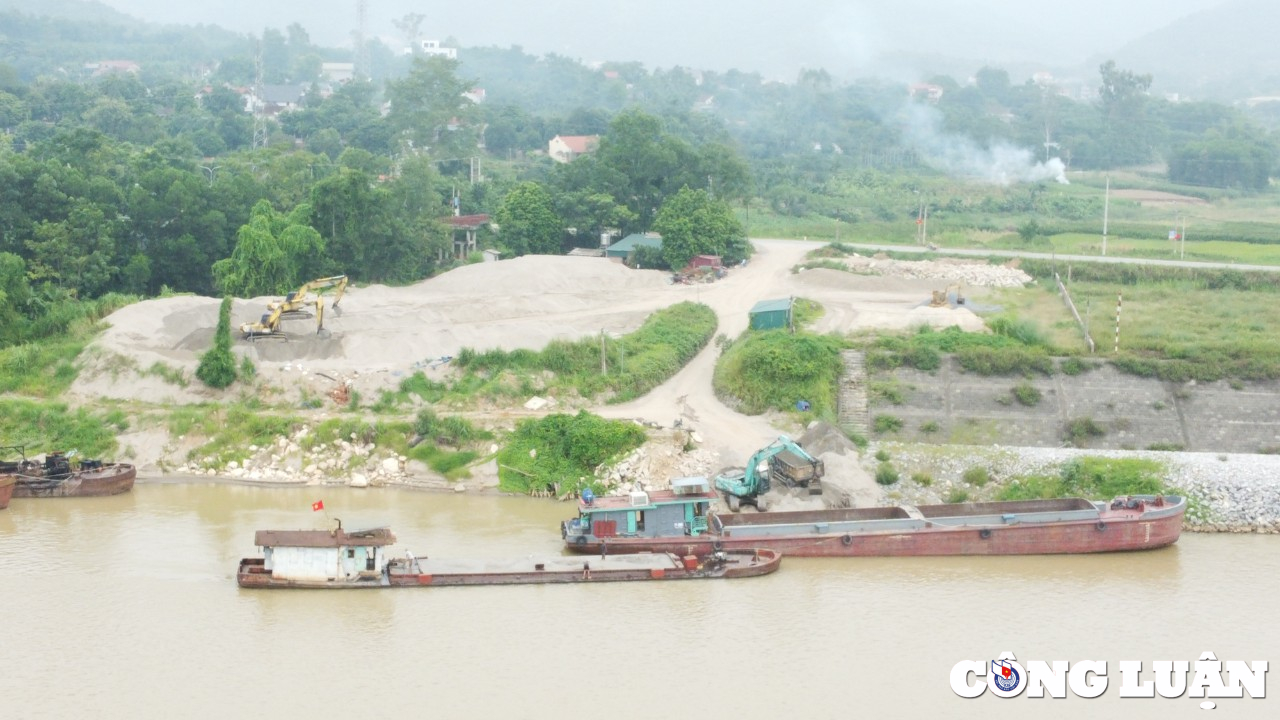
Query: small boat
(58, 476)
(681, 520)
(6, 489)
(358, 559)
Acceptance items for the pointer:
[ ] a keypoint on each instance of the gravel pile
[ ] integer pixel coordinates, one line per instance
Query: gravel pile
(970, 272)
(1227, 492)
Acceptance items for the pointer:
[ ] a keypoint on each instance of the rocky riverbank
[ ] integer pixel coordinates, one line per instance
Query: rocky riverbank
(1227, 492)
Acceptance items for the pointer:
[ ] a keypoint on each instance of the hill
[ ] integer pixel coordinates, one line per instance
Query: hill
(1224, 53)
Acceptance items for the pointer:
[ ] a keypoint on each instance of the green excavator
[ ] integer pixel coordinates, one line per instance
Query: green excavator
(782, 461)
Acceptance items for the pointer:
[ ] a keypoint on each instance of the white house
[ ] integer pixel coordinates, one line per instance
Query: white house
(323, 554)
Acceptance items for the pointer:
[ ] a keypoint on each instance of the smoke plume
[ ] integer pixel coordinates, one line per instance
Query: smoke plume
(1001, 163)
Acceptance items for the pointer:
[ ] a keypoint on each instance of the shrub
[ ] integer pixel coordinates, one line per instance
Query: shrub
(217, 367)
(1080, 430)
(563, 451)
(882, 455)
(1027, 394)
(773, 368)
(922, 479)
(957, 495)
(886, 474)
(929, 427)
(922, 357)
(977, 476)
(1075, 366)
(886, 424)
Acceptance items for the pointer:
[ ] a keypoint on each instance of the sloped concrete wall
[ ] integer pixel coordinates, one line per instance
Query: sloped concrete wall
(1135, 413)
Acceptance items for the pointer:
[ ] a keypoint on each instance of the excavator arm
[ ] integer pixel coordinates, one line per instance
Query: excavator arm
(751, 482)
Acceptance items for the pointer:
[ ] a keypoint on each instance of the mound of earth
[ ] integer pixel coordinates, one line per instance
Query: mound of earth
(380, 334)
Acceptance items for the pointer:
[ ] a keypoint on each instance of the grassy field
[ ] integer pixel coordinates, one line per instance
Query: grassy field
(1221, 225)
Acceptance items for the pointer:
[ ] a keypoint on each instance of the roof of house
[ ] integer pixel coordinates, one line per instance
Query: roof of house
(580, 143)
(376, 537)
(466, 222)
(765, 306)
(282, 94)
(587, 252)
(635, 240)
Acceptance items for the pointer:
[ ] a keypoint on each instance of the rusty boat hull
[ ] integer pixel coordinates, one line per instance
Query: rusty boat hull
(112, 479)
(640, 567)
(1036, 527)
(7, 483)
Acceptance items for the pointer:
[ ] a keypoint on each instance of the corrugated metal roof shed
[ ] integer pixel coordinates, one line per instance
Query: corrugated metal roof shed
(769, 314)
(627, 245)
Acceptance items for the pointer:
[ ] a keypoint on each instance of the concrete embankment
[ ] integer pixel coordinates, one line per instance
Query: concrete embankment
(1227, 492)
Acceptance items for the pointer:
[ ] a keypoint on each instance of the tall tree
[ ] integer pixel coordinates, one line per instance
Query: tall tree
(528, 221)
(692, 223)
(428, 108)
(274, 253)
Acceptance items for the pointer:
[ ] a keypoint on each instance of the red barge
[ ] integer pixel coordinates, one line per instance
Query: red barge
(339, 559)
(681, 520)
(57, 476)
(6, 489)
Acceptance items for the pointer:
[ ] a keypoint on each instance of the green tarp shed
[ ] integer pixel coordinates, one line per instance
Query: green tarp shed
(770, 314)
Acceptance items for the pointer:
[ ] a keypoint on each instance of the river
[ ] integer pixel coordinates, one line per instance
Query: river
(127, 607)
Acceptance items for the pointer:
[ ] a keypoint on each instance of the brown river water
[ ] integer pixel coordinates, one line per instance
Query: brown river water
(127, 607)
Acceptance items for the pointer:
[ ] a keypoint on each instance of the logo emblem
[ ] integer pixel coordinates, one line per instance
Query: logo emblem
(1005, 675)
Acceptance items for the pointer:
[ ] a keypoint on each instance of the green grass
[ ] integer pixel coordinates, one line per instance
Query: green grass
(635, 363)
(44, 426)
(774, 369)
(561, 452)
(1093, 478)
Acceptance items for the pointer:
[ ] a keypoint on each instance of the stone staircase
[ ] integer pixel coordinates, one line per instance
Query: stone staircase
(851, 412)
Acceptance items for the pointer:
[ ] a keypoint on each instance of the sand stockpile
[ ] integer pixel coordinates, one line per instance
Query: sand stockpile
(381, 332)
(854, 302)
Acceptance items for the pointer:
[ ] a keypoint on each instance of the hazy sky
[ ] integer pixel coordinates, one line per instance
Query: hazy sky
(774, 38)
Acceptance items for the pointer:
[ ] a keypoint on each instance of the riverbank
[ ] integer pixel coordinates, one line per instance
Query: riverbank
(1227, 493)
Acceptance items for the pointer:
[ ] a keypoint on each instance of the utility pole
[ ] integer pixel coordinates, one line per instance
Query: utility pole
(1182, 254)
(604, 369)
(1106, 210)
(362, 49)
(259, 121)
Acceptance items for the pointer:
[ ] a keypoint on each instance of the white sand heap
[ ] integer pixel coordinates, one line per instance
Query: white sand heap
(521, 303)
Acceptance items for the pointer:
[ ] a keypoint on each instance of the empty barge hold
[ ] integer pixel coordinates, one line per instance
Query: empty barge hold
(681, 521)
(337, 559)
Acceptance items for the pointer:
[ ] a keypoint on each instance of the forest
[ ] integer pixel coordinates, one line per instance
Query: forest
(173, 176)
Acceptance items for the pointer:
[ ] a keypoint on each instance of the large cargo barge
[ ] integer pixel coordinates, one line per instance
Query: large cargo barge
(338, 559)
(681, 520)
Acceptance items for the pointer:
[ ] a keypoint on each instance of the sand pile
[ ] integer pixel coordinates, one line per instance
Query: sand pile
(380, 333)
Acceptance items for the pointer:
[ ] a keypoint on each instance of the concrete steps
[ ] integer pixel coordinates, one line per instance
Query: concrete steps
(851, 413)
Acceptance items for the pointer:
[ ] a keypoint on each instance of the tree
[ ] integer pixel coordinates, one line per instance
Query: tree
(691, 223)
(426, 103)
(1126, 132)
(528, 221)
(273, 253)
(217, 367)
(1236, 158)
(15, 294)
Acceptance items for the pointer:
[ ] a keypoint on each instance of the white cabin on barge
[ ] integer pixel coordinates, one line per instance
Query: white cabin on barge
(324, 555)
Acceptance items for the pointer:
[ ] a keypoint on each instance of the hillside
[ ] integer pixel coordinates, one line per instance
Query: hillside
(1226, 53)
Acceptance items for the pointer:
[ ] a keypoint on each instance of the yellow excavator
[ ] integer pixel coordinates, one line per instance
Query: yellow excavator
(942, 298)
(269, 325)
(299, 299)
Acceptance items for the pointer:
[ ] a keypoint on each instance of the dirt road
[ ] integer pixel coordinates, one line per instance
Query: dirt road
(688, 396)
